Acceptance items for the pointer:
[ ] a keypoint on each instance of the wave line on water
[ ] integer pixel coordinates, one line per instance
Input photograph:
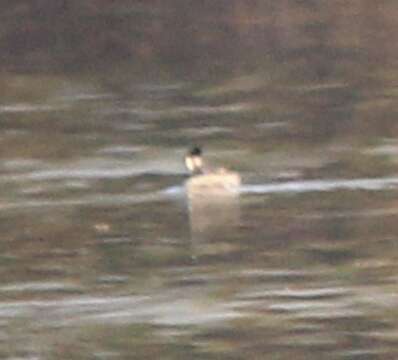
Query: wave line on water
(175, 192)
(322, 185)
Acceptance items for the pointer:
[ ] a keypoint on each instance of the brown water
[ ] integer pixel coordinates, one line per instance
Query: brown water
(104, 255)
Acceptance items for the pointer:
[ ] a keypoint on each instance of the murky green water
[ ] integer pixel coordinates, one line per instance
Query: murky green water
(104, 254)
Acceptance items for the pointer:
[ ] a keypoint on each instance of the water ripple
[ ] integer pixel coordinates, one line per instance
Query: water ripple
(322, 185)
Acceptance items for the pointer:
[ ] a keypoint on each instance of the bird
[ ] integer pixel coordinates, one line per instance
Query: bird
(207, 180)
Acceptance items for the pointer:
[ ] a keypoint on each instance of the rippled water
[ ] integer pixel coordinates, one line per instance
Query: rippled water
(105, 253)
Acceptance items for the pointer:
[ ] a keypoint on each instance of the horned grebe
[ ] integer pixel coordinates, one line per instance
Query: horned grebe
(206, 179)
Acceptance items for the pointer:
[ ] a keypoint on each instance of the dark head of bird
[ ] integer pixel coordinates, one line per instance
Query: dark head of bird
(196, 151)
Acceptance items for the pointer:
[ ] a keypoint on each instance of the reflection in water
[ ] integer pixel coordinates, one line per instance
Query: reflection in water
(213, 210)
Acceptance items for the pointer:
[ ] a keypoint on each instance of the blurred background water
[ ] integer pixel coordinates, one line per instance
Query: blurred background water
(102, 253)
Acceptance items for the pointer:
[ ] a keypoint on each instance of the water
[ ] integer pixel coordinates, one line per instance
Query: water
(104, 254)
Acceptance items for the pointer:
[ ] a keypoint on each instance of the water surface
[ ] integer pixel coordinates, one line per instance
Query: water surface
(102, 253)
